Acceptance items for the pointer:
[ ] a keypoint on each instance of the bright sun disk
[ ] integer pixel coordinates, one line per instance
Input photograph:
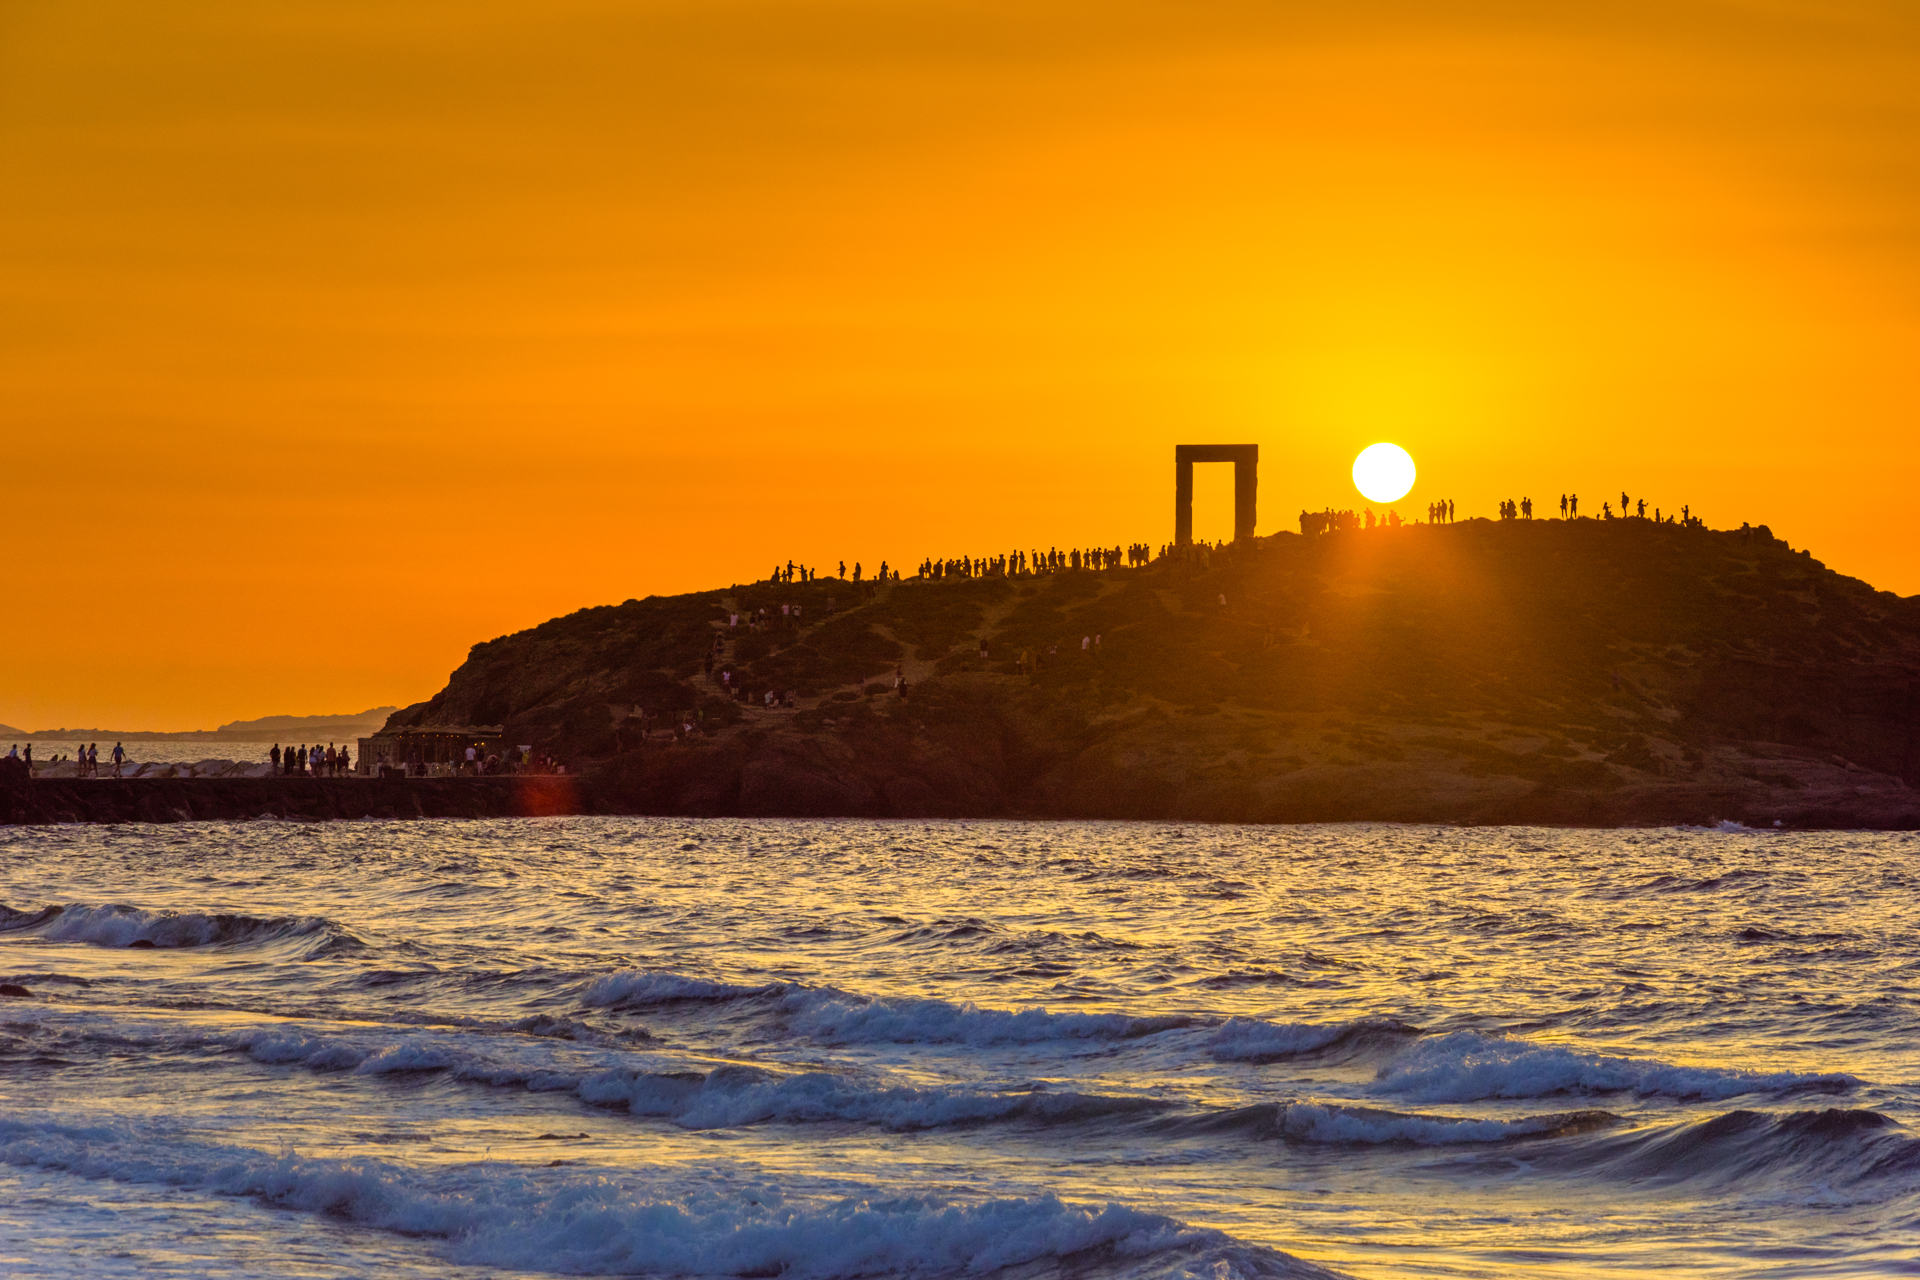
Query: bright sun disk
(1383, 472)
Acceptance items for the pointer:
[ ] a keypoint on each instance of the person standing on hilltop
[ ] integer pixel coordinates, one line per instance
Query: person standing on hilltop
(1573, 505)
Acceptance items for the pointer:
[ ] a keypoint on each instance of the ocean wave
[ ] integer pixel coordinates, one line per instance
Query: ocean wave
(1805, 1149)
(1338, 1125)
(837, 1017)
(1348, 1125)
(641, 987)
(832, 1016)
(506, 1216)
(1468, 1066)
(116, 925)
(1255, 1040)
(730, 1096)
(718, 1098)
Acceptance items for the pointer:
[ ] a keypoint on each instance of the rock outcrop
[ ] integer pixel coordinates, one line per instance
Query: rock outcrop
(1602, 672)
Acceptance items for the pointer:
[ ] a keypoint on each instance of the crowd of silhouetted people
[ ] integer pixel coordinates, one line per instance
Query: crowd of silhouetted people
(1023, 564)
(1442, 512)
(791, 572)
(1331, 521)
(1009, 564)
(315, 760)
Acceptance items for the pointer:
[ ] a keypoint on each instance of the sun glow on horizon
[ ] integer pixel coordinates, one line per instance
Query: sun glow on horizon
(1383, 472)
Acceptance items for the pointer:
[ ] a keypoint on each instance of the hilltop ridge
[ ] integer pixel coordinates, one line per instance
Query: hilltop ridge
(1491, 671)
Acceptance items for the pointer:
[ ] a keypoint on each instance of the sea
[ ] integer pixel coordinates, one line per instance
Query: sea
(826, 1049)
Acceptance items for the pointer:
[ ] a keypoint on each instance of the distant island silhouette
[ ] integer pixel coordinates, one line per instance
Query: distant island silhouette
(261, 728)
(1574, 672)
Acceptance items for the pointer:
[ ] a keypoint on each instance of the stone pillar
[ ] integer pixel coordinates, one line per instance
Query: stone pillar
(1246, 486)
(1182, 499)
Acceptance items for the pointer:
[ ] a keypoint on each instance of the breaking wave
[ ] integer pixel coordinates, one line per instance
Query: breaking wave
(828, 1015)
(116, 925)
(1804, 1150)
(722, 1097)
(1468, 1066)
(1254, 1040)
(505, 1216)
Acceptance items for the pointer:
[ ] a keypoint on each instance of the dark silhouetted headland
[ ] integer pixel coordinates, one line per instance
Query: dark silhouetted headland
(1583, 672)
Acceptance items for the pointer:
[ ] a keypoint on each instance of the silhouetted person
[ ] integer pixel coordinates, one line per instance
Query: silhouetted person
(1573, 505)
(1643, 509)
(274, 755)
(1625, 508)
(1563, 506)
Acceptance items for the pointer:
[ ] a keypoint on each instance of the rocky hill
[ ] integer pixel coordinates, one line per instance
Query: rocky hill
(1525, 671)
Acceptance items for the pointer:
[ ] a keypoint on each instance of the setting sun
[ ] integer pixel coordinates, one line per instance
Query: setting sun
(1383, 472)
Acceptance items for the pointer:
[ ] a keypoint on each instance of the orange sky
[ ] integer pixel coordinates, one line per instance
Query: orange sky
(336, 336)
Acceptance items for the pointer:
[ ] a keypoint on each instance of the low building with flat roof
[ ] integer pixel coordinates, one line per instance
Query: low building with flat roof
(428, 750)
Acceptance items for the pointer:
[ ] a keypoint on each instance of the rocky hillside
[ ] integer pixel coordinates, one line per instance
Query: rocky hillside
(1573, 672)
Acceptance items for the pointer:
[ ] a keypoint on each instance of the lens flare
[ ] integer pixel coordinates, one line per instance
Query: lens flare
(1383, 472)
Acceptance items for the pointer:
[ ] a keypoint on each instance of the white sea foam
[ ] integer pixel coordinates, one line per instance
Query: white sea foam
(497, 1215)
(1468, 1066)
